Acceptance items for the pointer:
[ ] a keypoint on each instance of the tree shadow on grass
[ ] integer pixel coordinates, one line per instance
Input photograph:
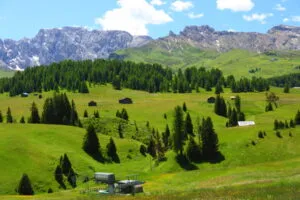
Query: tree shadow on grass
(185, 163)
(218, 158)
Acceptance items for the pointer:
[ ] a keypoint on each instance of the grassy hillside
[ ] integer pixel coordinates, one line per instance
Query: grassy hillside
(6, 73)
(236, 62)
(273, 163)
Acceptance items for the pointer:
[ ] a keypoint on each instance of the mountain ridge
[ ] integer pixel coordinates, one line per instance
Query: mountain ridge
(76, 43)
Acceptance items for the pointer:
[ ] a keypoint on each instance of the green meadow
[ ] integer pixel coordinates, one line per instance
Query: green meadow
(236, 62)
(268, 169)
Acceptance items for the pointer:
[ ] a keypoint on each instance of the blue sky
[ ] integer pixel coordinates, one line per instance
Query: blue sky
(24, 18)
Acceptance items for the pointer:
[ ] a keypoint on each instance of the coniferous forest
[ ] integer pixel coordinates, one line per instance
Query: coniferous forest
(74, 75)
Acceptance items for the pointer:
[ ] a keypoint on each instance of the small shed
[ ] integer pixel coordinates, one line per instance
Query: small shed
(246, 123)
(125, 101)
(24, 94)
(92, 103)
(233, 97)
(211, 100)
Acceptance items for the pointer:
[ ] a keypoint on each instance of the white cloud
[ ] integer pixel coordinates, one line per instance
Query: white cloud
(195, 16)
(286, 20)
(180, 6)
(280, 7)
(157, 2)
(235, 5)
(133, 16)
(258, 17)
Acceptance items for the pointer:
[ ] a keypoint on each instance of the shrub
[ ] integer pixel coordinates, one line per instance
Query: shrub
(143, 150)
(261, 134)
(25, 187)
(278, 134)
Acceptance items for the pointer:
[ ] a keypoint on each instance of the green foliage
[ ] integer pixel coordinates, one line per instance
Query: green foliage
(120, 130)
(9, 118)
(166, 137)
(210, 141)
(85, 114)
(22, 120)
(24, 187)
(83, 88)
(261, 134)
(237, 103)
(123, 114)
(58, 110)
(286, 88)
(91, 143)
(143, 150)
(193, 151)
(184, 108)
(188, 126)
(178, 134)
(151, 149)
(297, 118)
(220, 106)
(269, 107)
(111, 148)
(116, 82)
(34, 116)
(96, 114)
(58, 175)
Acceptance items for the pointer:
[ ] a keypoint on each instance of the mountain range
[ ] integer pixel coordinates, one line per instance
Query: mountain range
(54, 45)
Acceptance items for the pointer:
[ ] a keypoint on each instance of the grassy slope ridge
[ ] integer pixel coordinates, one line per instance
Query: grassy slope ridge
(35, 149)
(236, 62)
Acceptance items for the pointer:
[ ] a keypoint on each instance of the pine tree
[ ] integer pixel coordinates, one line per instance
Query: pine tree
(74, 120)
(237, 103)
(25, 187)
(66, 165)
(118, 114)
(292, 124)
(276, 124)
(193, 151)
(151, 149)
(22, 120)
(233, 121)
(111, 148)
(116, 82)
(34, 116)
(286, 88)
(85, 114)
(1, 117)
(269, 107)
(83, 88)
(178, 127)
(9, 118)
(124, 114)
(165, 137)
(120, 130)
(184, 108)
(189, 129)
(220, 106)
(218, 88)
(96, 114)
(209, 139)
(297, 118)
(58, 174)
(91, 143)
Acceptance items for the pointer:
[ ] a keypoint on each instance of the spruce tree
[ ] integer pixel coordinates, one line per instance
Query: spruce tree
(74, 120)
(178, 127)
(297, 118)
(9, 118)
(237, 103)
(91, 143)
(184, 108)
(120, 131)
(292, 124)
(286, 88)
(269, 107)
(58, 174)
(66, 165)
(96, 114)
(209, 139)
(124, 114)
(1, 117)
(189, 129)
(193, 151)
(25, 187)
(83, 88)
(165, 137)
(85, 114)
(22, 120)
(111, 148)
(34, 116)
(151, 149)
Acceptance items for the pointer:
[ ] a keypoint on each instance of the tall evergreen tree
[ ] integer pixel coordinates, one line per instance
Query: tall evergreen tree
(83, 88)
(58, 175)
(1, 117)
(124, 114)
(9, 118)
(193, 151)
(286, 88)
(220, 106)
(85, 114)
(151, 149)
(209, 139)
(24, 187)
(165, 137)
(91, 143)
(189, 129)
(111, 148)
(178, 127)
(120, 130)
(237, 103)
(66, 165)
(34, 116)
(22, 120)
(297, 118)
(74, 120)
(184, 108)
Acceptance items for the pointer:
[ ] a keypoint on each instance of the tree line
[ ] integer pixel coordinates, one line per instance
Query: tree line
(74, 76)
